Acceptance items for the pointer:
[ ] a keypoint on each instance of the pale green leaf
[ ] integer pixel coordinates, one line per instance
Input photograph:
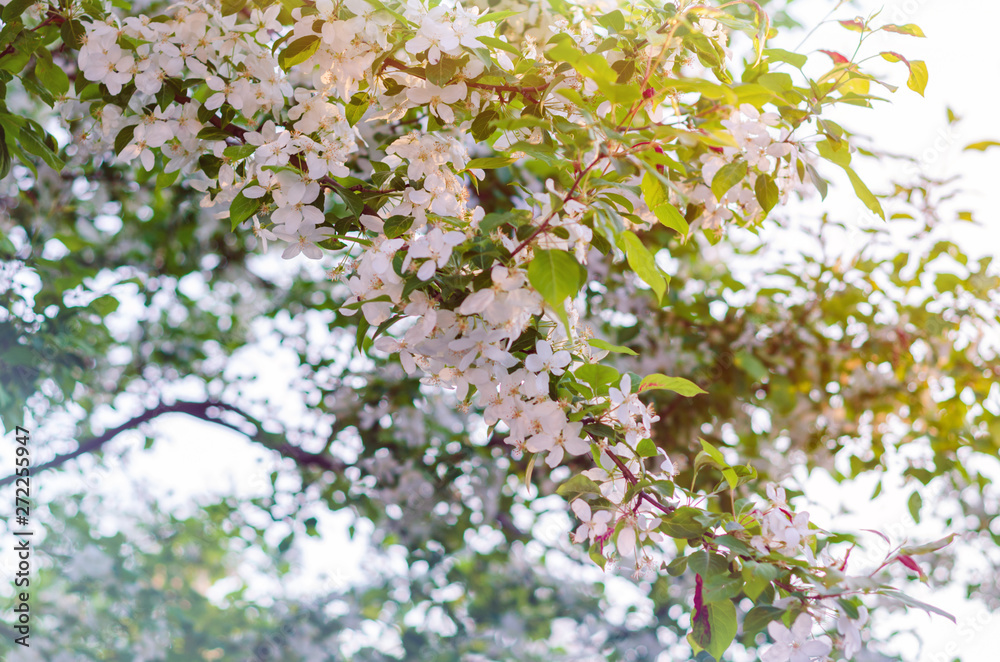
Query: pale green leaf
(728, 176)
(556, 276)
(605, 345)
(655, 195)
(678, 385)
(643, 263)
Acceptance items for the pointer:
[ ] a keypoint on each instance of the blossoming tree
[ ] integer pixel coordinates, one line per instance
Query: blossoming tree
(495, 197)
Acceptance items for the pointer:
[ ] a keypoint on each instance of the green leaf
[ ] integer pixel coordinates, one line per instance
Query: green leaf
(864, 193)
(646, 448)
(243, 208)
(496, 16)
(39, 146)
(713, 627)
(556, 276)
(443, 70)
(655, 195)
(577, 486)
(643, 263)
(678, 566)
(776, 82)
(596, 556)
(597, 375)
(5, 162)
(735, 544)
(493, 42)
(230, 7)
(298, 51)
(72, 34)
(123, 138)
(15, 9)
(678, 385)
(605, 345)
(490, 162)
(758, 618)
(52, 77)
(482, 127)
(613, 21)
(104, 305)
(357, 108)
(707, 564)
(683, 523)
(239, 152)
(913, 504)
(779, 55)
(714, 453)
(395, 226)
(723, 587)
(213, 133)
(767, 192)
(703, 458)
(728, 176)
(166, 179)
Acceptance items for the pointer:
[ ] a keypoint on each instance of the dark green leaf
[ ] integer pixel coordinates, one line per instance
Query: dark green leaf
(123, 138)
(5, 162)
(758, 618)
(213, 133)
(682, 523)
(15, 10)
(243, 208)
(395, 226)
(482, 126)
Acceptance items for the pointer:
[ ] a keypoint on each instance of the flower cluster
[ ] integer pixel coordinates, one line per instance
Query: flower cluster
(767, 152)
(351, 129)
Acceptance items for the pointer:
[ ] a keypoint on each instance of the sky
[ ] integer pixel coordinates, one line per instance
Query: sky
(963, 61)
